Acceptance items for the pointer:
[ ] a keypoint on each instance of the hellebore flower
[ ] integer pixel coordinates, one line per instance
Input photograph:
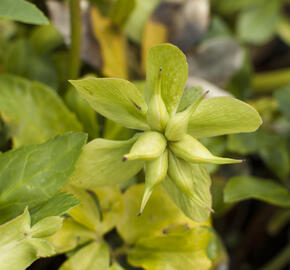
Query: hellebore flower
(172, 122)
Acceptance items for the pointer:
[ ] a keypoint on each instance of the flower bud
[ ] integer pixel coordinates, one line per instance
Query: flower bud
(191, 150)
(187, 177)
(149, 145)
(177, 125)
(155, 172)
(157, 115)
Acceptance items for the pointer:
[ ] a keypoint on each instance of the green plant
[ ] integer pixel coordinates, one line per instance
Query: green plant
(171, 121)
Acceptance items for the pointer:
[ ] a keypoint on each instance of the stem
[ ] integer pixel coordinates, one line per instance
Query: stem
(280, 260)
(76, 31)
(270, 81)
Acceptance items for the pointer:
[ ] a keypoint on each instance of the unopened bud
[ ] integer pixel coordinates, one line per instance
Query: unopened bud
(155, 172)
(149, 145)
(157, 115)
(177, 125)
(191, 150)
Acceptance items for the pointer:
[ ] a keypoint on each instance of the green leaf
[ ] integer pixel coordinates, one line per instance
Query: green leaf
(223, 115)
(174, 68)
(159, 215)
(135, 25)
(33, 174)
(56, 206)
(22, 11)
(46, 38)
(86, 115)
(24, 243)
(101, 163)
(190, 207)
(71, 235)
(283, 98)
(24, 108)
(116, 99)
(93, 256)
(114, 131)
(20, 52)
(247, 187)
(258, 25)
(116, 266)
(173, 251)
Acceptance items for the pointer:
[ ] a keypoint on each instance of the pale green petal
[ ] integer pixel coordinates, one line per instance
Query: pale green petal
(192, 150)
(174, 68)
(93, 256)
(189, 206)
(101, 163)
(223, 115)
(116, 99)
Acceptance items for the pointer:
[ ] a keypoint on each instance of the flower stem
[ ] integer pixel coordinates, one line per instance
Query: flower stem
(76, 31)
(280, 260)
(271, 80)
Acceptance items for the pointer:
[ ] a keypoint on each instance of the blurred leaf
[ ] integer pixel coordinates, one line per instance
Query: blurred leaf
(223, 115)
(284, 30)
(196, 211)
(98, 156)
(116, 99)
(93, 256)
(33, 174)
(278, 221)
(116, 266)
(87, 212)
(135, 25)
(154, 33)
(173, 251)
(121, 10)
(114, 131)
(160, 215)
(20, 52)
(173, 75)
(71, 235)
(283, 98)
(20, 240)
(247, 187)
(113, 45)
(257, 25)
(24, 107)
(217, 189)
(86, 115)
(218, 28)
(111, 206)
(45, 39)
(243, 143)
(22, 11)
(56, 206)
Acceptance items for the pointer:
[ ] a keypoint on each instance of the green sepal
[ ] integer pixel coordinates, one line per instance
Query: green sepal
(149, 145)
(116, 99)
(192, 150)
(155, 172)
(223, 115)
(94, 167)
(186, 177)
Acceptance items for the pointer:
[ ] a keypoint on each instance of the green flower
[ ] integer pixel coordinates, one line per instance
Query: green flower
(171, 121)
